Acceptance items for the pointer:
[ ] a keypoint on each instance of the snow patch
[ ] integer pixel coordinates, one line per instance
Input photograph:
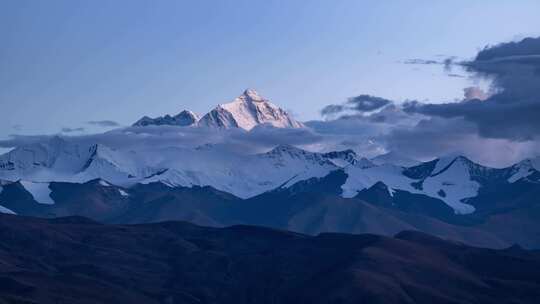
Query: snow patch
(391, 191)
(457, 184)
(40, 192)
(6, 210)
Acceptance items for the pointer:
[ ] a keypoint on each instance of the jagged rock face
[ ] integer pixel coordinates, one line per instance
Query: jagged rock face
(183, 119)
(348, 157)
(247, 111)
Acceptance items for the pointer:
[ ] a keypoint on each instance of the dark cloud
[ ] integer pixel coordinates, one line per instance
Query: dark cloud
(513, 111)
(448, 62)
(373, 124)
(357, 105)
(70, 130)
(525, 47)
(421, 61)
(332, 109)
(104, 123)
(368, 103)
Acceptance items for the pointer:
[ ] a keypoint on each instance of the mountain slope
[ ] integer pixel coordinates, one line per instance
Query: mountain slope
(286, 187)
(311, 206)
(177, 262)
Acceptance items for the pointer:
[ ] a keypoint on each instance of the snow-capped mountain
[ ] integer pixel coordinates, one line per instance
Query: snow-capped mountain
(348, 157)
(241, 175)
(62, 177)
(247, 176)
(246, 111)
(182, 119)
(47, 160)
(114, 166)
(525, 169)
(453, 179)
(59, 159)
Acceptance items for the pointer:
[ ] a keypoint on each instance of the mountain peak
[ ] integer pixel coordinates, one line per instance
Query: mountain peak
(246, 112)
(187, 118)
(252, 95)
(347, 157)
(442, 163)
(533, 163)
(183, 119)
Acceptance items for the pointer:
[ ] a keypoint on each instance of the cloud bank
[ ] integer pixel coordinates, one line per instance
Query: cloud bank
(103, 123)
(498, 127)
(511, 113)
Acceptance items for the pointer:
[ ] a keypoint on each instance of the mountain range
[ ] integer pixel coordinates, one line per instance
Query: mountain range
(286, 187)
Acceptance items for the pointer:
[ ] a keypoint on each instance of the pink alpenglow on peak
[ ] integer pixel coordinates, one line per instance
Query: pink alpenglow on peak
(247, 111)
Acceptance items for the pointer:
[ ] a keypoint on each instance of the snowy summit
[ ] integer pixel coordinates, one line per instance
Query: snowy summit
(246, 112)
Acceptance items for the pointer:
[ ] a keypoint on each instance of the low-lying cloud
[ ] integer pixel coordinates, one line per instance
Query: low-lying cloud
(72, 130)
(104, 123)
(236, 140)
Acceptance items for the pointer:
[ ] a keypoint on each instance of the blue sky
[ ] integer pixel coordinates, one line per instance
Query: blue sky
(63, 63)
